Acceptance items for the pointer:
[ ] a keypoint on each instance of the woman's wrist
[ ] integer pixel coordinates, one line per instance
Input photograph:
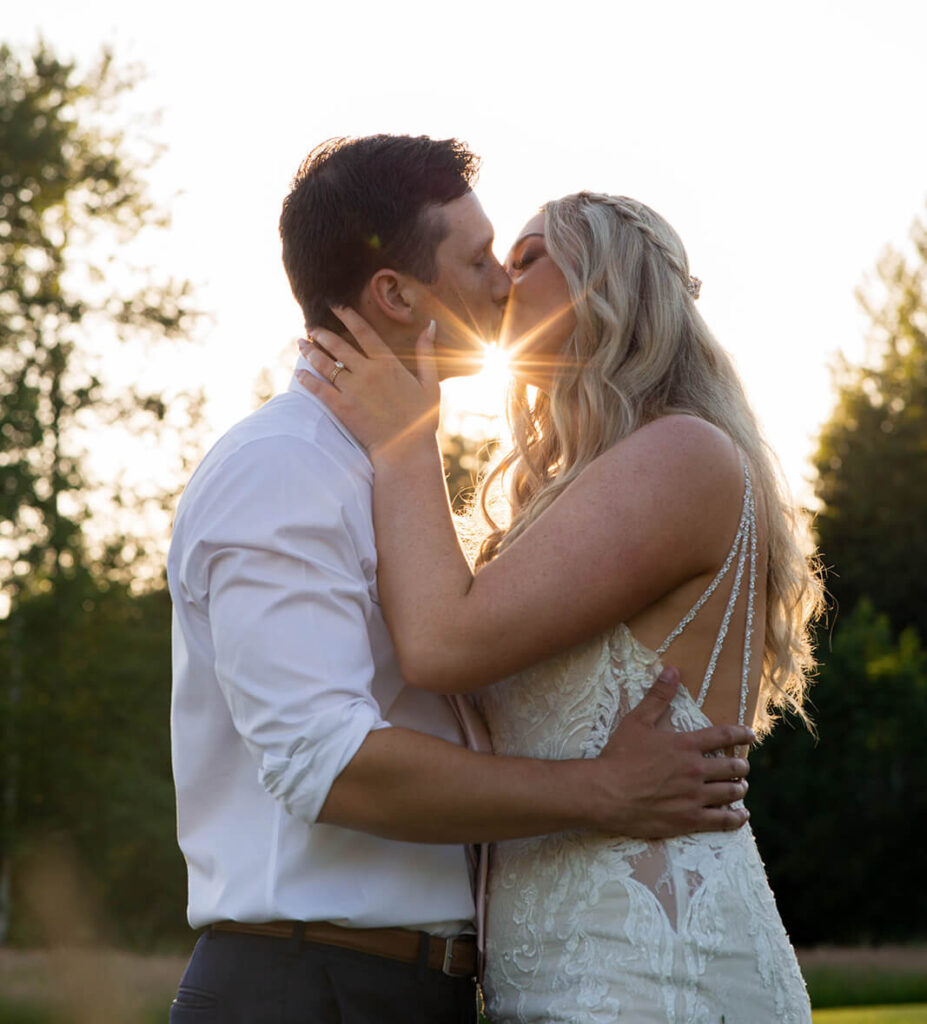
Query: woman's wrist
(413, 450)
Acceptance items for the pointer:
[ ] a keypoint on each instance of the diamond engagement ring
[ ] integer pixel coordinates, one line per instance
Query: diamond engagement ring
(339, 366)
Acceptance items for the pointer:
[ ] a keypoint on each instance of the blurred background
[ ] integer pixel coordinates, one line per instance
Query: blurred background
(144, 155)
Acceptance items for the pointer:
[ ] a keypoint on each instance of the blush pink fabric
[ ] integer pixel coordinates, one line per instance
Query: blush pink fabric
(477, 738)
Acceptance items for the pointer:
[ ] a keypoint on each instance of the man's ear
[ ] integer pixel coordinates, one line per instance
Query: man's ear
(393, 295)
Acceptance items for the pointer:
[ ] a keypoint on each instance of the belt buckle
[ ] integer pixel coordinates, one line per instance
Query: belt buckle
(448, 957)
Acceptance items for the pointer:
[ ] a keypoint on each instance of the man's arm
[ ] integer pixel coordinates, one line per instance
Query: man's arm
(286, 600)
(648, 782)
(271, 562)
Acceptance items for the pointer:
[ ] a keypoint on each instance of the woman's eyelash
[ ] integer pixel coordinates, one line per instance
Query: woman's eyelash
(523, 261)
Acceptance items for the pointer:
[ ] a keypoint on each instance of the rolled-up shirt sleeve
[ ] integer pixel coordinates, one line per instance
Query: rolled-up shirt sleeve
(287, 599)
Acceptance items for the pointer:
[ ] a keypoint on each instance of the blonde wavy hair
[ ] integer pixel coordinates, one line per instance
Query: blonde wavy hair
(641, 350)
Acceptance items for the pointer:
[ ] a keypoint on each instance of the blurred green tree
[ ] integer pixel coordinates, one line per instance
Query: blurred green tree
(872, 457)
(838, 819)
(94, 746)
(73, 195)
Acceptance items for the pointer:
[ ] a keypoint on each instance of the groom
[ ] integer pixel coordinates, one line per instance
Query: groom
(322, 804)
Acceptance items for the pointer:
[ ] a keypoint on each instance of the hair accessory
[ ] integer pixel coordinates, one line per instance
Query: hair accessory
(694, 286)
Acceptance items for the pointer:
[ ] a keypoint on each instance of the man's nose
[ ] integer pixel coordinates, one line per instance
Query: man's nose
(502, 284)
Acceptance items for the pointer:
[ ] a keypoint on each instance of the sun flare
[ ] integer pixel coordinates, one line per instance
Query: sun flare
(495, 371)
(475, 406)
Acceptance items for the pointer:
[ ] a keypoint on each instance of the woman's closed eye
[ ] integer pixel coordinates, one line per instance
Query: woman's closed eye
(526, 258)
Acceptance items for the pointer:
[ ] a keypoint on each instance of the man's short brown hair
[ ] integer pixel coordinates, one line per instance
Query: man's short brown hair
(359, 205)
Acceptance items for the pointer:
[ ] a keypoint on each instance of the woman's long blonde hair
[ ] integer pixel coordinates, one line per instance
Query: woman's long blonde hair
(640, 350)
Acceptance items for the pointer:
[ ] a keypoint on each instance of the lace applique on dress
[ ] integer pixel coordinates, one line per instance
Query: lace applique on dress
(589, 929)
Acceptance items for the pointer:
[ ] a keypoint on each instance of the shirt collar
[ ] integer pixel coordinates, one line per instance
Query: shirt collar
(303, 364)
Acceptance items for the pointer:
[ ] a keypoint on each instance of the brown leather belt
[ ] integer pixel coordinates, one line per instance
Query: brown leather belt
(455, 956)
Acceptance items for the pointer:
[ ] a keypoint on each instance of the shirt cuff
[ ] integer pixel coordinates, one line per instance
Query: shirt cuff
(302, 778)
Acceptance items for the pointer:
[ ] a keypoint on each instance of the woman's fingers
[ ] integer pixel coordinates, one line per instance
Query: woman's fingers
(425, 358)
(317, 387)
(368, 339)
(336, 346)
(328, 367)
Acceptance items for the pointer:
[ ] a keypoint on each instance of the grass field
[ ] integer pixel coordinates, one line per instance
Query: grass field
(22, 1014)
(890, 975)
(85, 986)
(873, 1015)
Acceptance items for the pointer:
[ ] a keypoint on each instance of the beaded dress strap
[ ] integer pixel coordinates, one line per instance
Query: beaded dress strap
(744, 546)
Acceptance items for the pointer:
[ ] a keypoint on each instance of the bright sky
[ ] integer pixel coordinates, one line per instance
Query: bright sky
(783, 141)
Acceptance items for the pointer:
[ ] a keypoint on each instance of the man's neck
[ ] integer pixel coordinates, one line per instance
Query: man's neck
(451, 362)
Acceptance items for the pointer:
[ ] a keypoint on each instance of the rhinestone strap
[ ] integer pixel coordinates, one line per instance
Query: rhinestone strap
(744, 541)
(751, 592)
(741, 544)
(712, 587)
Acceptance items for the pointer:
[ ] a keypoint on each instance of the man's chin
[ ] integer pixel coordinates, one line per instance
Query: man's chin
(458, 363)
(459, 356)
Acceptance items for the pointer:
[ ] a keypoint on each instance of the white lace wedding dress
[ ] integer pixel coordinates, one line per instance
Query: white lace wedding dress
(589, 929)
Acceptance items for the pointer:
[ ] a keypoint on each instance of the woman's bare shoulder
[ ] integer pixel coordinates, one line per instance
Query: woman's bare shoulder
(678, 451)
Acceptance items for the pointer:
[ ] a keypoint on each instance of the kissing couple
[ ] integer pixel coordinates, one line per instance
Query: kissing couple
(359, 707)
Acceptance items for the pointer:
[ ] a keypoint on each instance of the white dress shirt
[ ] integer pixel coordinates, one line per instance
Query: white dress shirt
(282, 666)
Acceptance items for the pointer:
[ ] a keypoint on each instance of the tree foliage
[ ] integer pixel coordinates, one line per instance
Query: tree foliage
(838, 819)
(84, 655)
(872, 459)
(94, 751)
(72, 195)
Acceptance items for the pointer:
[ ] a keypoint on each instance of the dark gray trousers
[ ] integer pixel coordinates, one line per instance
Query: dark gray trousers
(255, 979)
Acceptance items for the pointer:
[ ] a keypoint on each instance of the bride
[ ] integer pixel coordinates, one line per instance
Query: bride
(643, 517)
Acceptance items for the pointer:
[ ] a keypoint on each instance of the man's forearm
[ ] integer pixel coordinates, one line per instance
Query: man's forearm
(648, 783)
(413, 787)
